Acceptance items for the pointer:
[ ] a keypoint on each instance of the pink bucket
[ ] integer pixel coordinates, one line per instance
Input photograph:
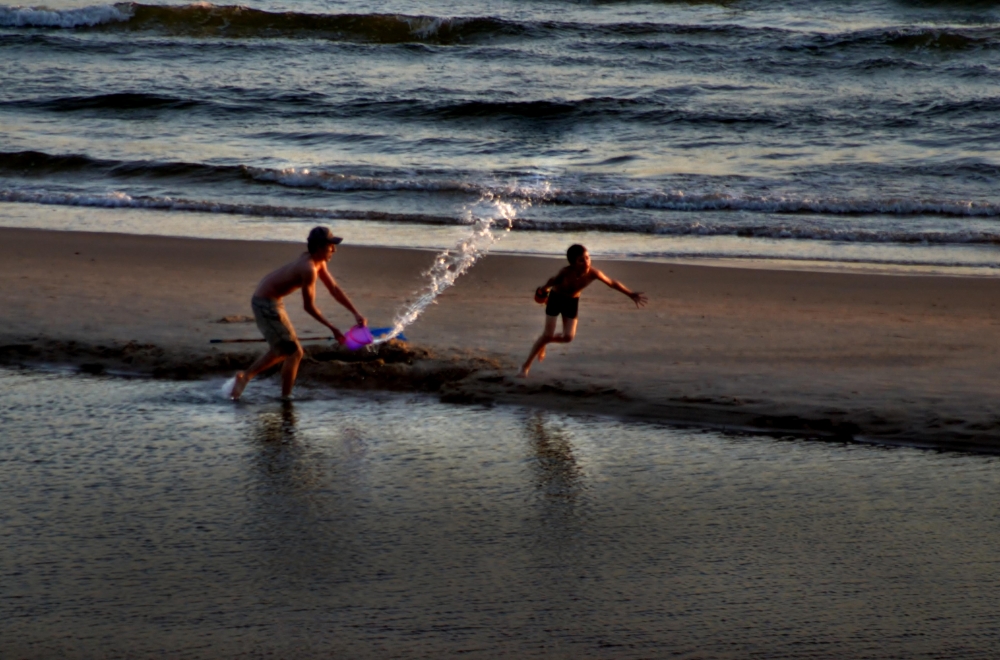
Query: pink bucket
(357, 337)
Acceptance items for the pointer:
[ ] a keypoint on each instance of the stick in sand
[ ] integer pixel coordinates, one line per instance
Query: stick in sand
(254, 341)
(376, 332)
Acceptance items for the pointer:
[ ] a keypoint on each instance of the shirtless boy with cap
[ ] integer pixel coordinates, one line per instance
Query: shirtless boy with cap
(269, 310)
(563, 298)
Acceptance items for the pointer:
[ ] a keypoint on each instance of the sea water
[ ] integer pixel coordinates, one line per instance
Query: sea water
(152, 519)
(855, 133)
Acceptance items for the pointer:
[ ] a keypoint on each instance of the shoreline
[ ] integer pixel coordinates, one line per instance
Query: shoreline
(607, 246)
(847, 356)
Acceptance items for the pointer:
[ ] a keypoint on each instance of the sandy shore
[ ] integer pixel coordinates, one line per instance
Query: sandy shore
(898, 359)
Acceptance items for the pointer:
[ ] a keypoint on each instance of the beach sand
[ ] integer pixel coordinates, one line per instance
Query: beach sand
(908, 359)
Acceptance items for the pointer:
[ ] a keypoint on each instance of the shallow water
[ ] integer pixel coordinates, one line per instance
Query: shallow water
(148, 519)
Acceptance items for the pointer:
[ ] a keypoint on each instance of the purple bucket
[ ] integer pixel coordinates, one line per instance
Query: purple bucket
(357, 337)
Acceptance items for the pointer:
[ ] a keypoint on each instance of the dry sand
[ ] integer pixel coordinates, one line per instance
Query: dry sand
(898, 359)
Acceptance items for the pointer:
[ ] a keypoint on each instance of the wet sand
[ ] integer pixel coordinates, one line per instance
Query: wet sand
(897, 359)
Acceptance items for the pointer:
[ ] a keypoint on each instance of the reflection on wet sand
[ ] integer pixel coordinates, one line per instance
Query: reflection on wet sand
(559, 527)
(300, 509)
(276, 427)
(286, 462)
(558, 476)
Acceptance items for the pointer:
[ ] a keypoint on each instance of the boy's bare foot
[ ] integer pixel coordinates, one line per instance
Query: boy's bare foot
(523, 373)
(239, 386)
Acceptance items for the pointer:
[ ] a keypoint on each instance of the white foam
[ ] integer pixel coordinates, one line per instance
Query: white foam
(452, 263)
(124, 200)
(295, 177)
(64, 18)
(424, 27)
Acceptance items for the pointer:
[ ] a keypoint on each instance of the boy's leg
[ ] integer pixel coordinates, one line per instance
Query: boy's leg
(273, 323)
(289, 371)
(263, 363)
(538, 349)
(569, 330)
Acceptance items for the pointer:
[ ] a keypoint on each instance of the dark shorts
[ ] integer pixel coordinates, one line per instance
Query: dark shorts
(274, 325)
(562, 304)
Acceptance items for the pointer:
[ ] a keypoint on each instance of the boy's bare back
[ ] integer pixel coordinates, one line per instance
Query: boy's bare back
(292, 276)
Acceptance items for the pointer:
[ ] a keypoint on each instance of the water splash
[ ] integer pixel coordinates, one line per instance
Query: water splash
(227, 388)
(491, 218)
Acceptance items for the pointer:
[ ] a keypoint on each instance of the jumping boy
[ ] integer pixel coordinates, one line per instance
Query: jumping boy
(269, 310)
(564, 299)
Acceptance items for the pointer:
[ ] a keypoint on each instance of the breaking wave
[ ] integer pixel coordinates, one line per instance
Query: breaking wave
(524, 188)
(633, 199)
(123, 200)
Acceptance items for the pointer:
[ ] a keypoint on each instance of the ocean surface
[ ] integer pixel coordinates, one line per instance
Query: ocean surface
(855, 133)
(150, 519)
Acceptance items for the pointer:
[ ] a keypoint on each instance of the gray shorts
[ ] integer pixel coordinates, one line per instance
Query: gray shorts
(274, 325)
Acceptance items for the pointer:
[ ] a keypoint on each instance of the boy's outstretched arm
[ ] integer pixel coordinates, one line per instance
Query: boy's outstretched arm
(309, 304)
(339, 295)
(637, 296)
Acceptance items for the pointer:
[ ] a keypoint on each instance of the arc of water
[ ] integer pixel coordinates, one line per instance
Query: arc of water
(452, 263)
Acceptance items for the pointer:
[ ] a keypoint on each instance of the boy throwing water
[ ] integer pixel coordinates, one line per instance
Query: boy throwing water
(563, 292)
(269, 310)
